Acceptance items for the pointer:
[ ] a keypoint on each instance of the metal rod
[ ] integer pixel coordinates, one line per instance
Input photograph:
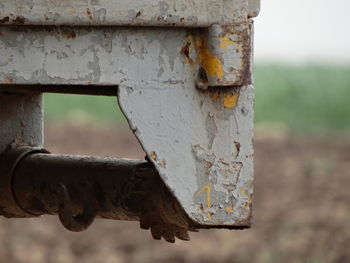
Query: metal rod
(78, 188)
(107, 90)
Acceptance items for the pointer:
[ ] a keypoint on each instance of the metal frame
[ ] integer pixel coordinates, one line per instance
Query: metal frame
(184, 85)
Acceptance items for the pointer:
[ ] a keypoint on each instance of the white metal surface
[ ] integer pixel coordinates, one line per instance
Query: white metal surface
(189, 13)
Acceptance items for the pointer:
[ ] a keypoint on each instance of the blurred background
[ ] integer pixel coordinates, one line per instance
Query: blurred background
(302, 156)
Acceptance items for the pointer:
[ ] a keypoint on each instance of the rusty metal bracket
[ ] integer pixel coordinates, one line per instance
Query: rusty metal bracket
(223, 54)
(81, 221)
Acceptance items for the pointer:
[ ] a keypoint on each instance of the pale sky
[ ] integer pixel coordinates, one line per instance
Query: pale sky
(303, 31)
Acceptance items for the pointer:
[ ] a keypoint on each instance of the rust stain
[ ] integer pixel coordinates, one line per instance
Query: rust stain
(185, 51)
(68, 32)
(214, 95)
(9, 80)
(19, 20)
(230, 100)
(243, 33)
(89, 14)
(4, 20)
(238, 148)
(12, 19)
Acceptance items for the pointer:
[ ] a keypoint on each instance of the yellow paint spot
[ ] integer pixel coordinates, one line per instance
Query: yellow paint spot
(212, 64)
(154, 155)
(230, 100)
(243, 192)
(225, 42)
(207, 188)
(162, 163)
(229, 209)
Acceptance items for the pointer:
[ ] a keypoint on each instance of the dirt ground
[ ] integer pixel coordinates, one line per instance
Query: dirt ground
(301, 209)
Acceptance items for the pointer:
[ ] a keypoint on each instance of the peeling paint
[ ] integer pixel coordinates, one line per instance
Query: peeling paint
(230, 100)
(211, 63)
(225, 42)
(191, 141)
(170, 13)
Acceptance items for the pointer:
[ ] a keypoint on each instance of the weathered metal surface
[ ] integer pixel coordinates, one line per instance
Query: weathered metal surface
(201, 144)
(80, 188)
(253, 8)
(223, 55)
(20, 119)
(218, 56)
(183, 13)
(199, 141)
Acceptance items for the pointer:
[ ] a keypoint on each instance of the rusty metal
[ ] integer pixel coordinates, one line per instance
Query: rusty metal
(79, 188)
(223, 55)
(111, 90)
(82, 220)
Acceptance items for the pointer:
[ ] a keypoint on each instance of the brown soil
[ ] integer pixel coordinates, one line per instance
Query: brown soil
(301, 209)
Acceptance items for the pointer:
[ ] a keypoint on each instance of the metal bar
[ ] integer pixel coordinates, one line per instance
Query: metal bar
(78, 188)
(66, 89)
(159, 13)
(20, 120)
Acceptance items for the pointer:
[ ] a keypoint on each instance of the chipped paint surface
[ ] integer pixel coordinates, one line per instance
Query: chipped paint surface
(181, 132)
(180, 13)
(20, 120)
(230, 100)
(210, 62)
(225, 42)
(222, 53)
(189, 135)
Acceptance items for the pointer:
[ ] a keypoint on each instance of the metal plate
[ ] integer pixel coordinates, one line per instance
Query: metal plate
(200, 141)
(184, 13)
